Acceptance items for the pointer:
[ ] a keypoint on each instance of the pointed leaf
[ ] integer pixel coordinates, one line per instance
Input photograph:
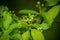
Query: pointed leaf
(26, 35)
(7, 19)
(27, 12)
(37, 35)
(52, 13)
(49, 17)
(2, 9)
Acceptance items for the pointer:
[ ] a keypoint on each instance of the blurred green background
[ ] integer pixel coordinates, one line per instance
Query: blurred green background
(15, 5)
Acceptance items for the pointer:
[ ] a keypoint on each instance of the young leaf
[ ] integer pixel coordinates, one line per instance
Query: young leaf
(37, 35)
(26, 35)
(27, 12)
(7, 19)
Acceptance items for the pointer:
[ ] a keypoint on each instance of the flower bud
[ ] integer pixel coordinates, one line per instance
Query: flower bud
(38, 2)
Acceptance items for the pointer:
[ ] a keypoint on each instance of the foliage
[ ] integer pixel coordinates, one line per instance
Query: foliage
(29, 25)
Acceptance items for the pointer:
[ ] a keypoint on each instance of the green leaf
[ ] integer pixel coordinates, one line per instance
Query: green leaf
(36, 25)
(23, 24)
(15, 25)
(4, 37)
(52, 13)
(7, 19)
(2, 9)
(51, 2)
(10, 29)
(0, 34)
(27, 12)
(0, 22)
(16, 36)
(49, 17)
(37, 35)
(26, 35)
(44, 26)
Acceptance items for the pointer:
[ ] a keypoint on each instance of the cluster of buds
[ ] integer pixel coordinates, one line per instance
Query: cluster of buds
(39, 4)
